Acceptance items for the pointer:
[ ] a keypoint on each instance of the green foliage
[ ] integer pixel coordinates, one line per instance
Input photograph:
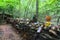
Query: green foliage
(27, 8)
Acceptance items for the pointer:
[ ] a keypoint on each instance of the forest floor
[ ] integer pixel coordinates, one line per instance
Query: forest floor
(7, 32)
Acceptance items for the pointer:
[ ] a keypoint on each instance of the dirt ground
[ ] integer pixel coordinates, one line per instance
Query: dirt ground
(8, 33)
